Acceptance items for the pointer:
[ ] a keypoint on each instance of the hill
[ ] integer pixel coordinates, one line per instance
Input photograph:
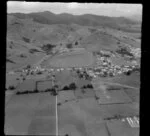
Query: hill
(27, 34)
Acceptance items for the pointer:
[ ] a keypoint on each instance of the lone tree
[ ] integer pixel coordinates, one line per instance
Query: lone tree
(69, 45)
(53, 92)
(35, 91)
(28, 66)
(72, 86)
(11, 87)
(26, 39)
(76, 43)
(65, 88)
(128, 73)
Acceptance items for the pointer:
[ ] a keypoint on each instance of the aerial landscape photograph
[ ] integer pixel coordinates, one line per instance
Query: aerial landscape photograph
(73, 69)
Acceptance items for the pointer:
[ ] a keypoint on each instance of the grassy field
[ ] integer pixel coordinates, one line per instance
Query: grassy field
(30, 60)
(72, 59)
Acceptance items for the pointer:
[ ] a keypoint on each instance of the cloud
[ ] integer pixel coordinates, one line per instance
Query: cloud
(75, 8)
(73, 5)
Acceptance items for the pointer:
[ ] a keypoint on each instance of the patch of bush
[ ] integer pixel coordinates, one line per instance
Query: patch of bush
(23, 78)
(72, 86)
(117, 116)
(47, 90)
(48, 48)
(22, 55)
(69, 45)
(10, 61)
(87, 86)
(65, 88)
(90, 86)
(84, 87)
(28, 66)
(17, 93)
(35, 91)
(27, 40)
(136, 69)
(128, 73)
(124, 51)
(54, 93)
(33, 50)
(59, 104)
(39, 72)
(76, 43)
(11, 87)
(109, 88)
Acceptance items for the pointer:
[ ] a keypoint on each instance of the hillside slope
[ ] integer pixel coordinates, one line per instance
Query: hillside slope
(25, 33)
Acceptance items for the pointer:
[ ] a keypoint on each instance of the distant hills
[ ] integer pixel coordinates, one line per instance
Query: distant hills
(136, 17)
(47, 17)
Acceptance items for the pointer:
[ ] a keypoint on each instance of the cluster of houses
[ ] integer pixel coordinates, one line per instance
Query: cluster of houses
(134, 121)
(136, 52)
(104, 67)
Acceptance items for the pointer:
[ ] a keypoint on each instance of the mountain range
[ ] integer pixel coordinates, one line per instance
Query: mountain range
(48, 17)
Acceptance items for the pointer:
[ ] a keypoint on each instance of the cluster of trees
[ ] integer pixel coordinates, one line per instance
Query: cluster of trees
(90, 86)
(27, 92)
(11, 87)
(112, 87)
(54, 90)
(33, 50)
(69, 45)
(71, 86)
(124, 51)
(48, 48)
(84, 75)
(8, 60)
(92, 30)
(26, 39)
(51, 90)
(22, 55)
(28, 67)
(117, 116)
(76, 43)
(129, 72)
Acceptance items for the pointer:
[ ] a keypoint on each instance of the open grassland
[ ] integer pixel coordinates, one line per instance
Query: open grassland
(22, 62)
(73, 59)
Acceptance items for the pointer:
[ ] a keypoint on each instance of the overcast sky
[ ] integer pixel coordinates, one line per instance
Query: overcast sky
(75, 8)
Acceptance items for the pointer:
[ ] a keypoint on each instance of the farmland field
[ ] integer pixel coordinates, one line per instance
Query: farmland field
(29, 115)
